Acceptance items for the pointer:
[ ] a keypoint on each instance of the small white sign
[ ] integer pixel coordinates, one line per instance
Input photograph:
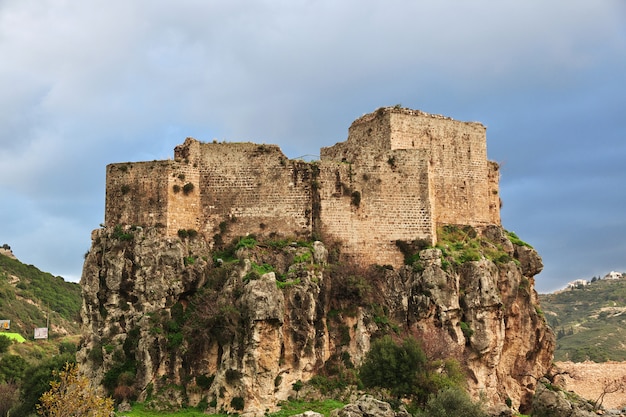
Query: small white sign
(41, 333)
(5, 324)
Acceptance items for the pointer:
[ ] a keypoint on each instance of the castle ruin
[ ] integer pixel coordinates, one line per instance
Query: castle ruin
(399, 175)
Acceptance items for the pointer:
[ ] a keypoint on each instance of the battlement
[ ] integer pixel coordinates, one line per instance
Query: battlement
(398, 175)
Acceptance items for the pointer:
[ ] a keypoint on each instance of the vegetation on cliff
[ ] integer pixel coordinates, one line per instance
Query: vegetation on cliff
(175, 323)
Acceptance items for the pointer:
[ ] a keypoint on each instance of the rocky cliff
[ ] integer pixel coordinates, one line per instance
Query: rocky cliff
(174, 322)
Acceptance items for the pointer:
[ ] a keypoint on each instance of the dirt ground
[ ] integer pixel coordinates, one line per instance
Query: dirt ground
(589, 379)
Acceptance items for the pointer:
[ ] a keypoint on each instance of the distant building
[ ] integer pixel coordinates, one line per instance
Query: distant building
(614, 275)
(577, 283)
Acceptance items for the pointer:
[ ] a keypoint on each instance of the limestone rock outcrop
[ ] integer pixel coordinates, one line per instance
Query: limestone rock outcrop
(368, 406)
(173, 322)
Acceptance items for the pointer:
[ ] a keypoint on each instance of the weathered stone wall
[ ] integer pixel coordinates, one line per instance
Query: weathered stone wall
(465, 184)
(137, 194)
(399, 174)
(250, 189)
(370, 204)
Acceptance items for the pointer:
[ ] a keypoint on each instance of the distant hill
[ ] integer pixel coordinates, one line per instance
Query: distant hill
(27, 295)
(589, 319)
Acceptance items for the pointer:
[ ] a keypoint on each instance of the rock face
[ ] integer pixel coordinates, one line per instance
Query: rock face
(368, 406)
(173, 322)
(550, 401)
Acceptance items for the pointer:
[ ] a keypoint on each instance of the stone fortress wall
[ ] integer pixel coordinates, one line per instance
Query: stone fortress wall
(399, 174)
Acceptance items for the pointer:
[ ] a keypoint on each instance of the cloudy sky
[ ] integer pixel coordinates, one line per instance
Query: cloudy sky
(84, 84)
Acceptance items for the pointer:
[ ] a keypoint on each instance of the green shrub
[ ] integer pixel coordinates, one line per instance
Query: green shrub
(466, 329)
(5, 342)
(120, 234)
(400, 368)
(516, 240)
(451, 402)
(355, 199)
(188, 188)
(237, 403)
(246, 242)
(233, 375)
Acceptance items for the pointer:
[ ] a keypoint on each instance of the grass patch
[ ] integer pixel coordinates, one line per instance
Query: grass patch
(460, 244)
(139, 410)
(291, 408)
(287, 408)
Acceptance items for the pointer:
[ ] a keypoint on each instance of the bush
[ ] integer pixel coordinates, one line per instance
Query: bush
(204, 381)
(5, 342)
(72, 395)
(237, 403)
(12, 368)
(188, 188)
(451, 402)
(400, 368)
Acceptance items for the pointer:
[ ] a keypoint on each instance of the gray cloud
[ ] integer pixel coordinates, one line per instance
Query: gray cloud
(84, 85)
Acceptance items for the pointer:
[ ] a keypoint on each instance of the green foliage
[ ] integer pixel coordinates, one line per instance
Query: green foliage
(400, 368)
(140, 410)
(258, 271)
(466, 329)
(451, 402)
(5, 342)
(120, 234)
(285, 284)
(246, 242)
(188, 188)
(516, 240)
(185, 233)
(237, 403)
(306, 257)
(406, 372)
(291, 408)
(460, 244)
(204, 381)
(12, 368)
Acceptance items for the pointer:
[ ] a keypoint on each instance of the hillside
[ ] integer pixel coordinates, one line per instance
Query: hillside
(27, 294)
(589, 321)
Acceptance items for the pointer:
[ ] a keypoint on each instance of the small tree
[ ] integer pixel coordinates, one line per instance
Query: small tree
(403, 369)
(297, 386)
(5, 342)
(72, 395)
(609, 386)
(9, 395)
